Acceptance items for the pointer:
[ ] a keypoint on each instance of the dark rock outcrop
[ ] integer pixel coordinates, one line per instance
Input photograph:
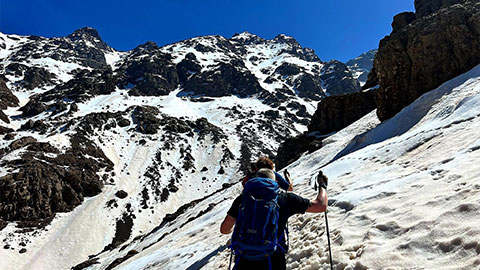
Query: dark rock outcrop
(426, 7)
(145, 117)
(5, 130)
(309, 87)
(33, 77)
(4, 117)
(44, 184)
(293, 148)
(7, 99)
(84, 46)
(338, 79)
(442, 43)
(154, 75)
(224, 80)
(85, 85)
(336, 112)
(188, 67)
(401, 20)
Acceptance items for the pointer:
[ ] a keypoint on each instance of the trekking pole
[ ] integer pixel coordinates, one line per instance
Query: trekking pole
(328, 237)
(230, 265)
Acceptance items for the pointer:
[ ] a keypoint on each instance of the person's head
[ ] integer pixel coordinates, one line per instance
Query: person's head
(266, 173)
(264, 162)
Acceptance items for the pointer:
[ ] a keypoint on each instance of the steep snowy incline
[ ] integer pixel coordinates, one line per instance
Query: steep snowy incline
(403, 194)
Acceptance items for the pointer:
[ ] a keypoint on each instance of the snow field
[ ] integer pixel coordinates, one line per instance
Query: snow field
(407, 199)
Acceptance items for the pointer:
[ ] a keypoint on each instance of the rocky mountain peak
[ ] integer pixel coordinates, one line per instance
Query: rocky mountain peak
(88, 37)
(85, 32)
(282, 38)
(146, 47)
(361, 65)
(247, 38)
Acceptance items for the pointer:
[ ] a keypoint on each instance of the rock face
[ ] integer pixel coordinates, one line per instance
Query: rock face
(45, 184)
(7, 99)
(226, 79)
(427, 7)
(33, 77)
(335, 113)
(442, 42)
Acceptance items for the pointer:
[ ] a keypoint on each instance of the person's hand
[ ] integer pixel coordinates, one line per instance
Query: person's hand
(322, 180)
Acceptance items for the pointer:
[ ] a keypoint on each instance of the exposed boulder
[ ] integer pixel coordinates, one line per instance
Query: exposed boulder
(442, 43)
(22, 142)
(38, 125)
(33, 107)
(336, 112)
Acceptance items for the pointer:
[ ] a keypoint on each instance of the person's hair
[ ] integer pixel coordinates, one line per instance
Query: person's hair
(266, 173)
(264, 162)
(253, 167)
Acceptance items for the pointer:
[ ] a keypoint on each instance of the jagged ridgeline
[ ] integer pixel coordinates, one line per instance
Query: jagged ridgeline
(149, 129)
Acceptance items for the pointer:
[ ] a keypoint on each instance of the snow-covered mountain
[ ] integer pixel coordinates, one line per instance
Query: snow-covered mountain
(361, 65)
(403, 194)
(100, 147)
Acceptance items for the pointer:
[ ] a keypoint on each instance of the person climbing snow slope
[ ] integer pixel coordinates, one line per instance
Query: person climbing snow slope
(258, 219)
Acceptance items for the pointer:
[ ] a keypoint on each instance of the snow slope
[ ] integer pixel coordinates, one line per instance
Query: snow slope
(404, 195)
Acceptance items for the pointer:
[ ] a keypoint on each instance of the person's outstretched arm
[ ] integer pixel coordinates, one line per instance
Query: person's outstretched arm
(319, 204)
(227, 225)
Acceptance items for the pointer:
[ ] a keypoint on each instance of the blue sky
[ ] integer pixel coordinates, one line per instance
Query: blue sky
(335, 29)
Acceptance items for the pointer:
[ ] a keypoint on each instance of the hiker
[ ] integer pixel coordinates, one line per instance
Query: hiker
(265, 162)
(252, 248)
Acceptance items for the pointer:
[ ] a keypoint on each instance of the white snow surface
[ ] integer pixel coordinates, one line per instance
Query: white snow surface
(413, 183)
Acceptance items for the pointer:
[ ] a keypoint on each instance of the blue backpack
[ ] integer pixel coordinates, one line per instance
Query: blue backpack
(255, 235)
